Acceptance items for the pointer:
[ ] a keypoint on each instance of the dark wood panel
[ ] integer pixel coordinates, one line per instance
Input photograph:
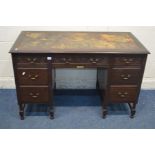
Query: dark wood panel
(34, 94)
(123, 94)
(125, 76)
(32, 76)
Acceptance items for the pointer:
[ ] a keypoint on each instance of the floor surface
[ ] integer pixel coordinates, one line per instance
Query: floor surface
(77, 112)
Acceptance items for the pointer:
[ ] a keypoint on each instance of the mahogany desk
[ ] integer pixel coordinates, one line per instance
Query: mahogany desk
(118, 56)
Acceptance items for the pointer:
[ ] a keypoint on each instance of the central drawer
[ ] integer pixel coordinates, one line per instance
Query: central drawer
(32, 76)
(34, 94)
(77, 60)
(125, 76)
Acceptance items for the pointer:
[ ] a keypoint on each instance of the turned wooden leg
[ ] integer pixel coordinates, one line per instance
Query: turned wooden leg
(51, 112)
(133, 109)
(21, 111)
(105, 110)
(133, 112)
(105, 104)
(104, 113)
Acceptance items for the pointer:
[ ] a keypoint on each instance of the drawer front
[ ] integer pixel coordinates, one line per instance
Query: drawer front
(32, 76)
(80, 60)
(125, 76)
(34, 94)
(31, 61)
(123, 93)
(127, 61)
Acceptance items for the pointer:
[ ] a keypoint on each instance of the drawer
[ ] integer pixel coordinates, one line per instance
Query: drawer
(123, 93)
(31, 61)
(127, 61)
(34, 94)
(125, 76)
(32, 76)
(75, 60)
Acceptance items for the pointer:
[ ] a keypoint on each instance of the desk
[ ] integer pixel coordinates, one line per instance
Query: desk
(118, 56)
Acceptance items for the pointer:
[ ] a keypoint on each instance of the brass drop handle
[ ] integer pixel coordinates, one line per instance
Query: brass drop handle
(122, 94)
(33, 77)
(94, 61)
(67, 60)
(125, 77)
(128, 61)
(31, 60)
(34, 95)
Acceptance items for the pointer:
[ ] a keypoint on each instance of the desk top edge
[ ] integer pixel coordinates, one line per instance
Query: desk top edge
(140, 50)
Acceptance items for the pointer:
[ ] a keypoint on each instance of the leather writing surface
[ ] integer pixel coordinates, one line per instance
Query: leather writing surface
(77, 42)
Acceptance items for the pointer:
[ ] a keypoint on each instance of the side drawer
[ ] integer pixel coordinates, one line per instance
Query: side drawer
(31, 61)
(32, 76)
(127, 61)
(123, 93)
(34, 94)
(125, 76)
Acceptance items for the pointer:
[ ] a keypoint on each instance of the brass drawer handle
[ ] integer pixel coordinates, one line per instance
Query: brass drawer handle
(31, 60)
(67, 61)
(126, 93)
(122, 94)
(125, 77)
(34, 95)
(94, 60)
(128, 61)
(33, 77)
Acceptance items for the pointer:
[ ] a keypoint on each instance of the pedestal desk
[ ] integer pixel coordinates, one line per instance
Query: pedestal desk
(118, 57)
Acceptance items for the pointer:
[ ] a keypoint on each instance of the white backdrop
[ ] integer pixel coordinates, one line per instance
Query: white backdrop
(67, 78)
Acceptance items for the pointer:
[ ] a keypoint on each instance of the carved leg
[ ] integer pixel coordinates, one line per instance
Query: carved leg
(133, 109)
(105, 104)
(104, 113)
(133, 112)
(21, 111)
(51, 112)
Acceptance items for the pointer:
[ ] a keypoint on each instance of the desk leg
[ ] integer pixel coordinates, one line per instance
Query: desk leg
(105, 111)
(133, 109)
(100, 85)
(105, 105)
(51, 112)
(21, 111)
(51, 106)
